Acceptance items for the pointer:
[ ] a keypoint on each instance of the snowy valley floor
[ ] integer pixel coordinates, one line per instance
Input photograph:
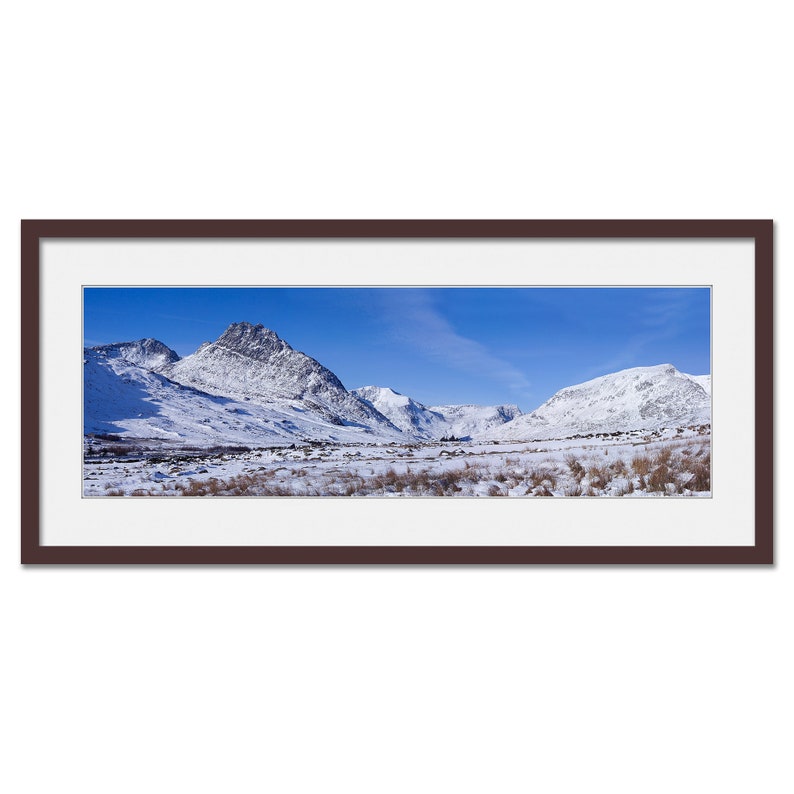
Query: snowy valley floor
(674, 462)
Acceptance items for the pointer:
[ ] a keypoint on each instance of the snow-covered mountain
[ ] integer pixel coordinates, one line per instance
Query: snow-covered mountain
(702, 380)
(147, 353)
(440, 421)
(251, 387)
(250, 363)
(469, 421)
(409, 415)
(641, 398)
(127, 400)
(122, 398)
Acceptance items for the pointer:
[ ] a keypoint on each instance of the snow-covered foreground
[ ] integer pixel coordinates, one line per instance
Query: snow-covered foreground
(672, 462)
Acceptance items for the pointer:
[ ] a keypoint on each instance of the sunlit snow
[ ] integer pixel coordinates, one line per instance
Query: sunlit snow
(247, 415)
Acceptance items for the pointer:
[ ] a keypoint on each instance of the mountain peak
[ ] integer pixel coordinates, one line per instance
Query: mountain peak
(631, 373)
(252, 363)
(382, 393)
(254, 341)
(402, 411)
(147, 353)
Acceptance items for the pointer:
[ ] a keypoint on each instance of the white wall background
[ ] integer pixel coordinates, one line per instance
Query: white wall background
(394, 680)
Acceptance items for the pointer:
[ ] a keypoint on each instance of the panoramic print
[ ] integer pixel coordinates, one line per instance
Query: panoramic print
(397, 392)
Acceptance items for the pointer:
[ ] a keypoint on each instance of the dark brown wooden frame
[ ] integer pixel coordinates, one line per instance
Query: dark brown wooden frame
(761, 231)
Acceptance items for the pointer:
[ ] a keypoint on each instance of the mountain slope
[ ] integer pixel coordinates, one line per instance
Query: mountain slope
(633, 399)
(251, 363)
(404, 412)
(124, 399)
(702, 380)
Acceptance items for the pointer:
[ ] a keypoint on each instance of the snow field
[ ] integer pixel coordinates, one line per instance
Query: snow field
(672, 464)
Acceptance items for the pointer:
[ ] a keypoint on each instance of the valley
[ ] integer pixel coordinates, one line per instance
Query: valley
(248, 416)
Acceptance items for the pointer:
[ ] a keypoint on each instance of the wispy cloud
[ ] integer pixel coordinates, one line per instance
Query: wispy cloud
(415, 320)
(665, 311)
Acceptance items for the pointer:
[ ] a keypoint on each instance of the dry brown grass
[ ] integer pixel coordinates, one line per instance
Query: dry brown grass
(353, 486)
(674, 469)
(599, 477)
(417, 482)
(700, 469)
(420, 482)
(663, 457)
(543, 477)
(641, 464)
(619, 468)
(660, 478)
(210, 487)
(245, 484)
(576, 468)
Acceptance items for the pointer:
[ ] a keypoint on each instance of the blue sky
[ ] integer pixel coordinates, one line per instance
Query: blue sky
(438, 345)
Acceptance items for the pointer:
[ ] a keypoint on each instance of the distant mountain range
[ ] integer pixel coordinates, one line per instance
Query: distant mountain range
(250, 387)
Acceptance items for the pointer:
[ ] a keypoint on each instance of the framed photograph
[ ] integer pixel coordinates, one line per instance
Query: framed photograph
(397, 392)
